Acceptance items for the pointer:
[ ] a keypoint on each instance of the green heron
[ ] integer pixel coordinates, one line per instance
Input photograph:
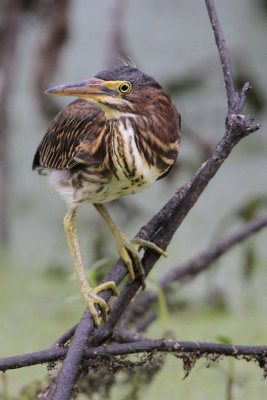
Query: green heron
(119, 136)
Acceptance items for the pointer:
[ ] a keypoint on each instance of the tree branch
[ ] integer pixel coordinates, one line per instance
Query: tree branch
(224, 56)
(204, 260)
(196, 265)
(162, 227)
(65, 337)
(139, 346)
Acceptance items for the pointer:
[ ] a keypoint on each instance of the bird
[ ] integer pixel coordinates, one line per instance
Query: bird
(119, 136)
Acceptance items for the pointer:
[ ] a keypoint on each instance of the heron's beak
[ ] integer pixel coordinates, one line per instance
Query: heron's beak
(91, 89)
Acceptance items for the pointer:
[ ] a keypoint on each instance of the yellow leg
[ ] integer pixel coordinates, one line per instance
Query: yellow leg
(127, 248)
(90, 294)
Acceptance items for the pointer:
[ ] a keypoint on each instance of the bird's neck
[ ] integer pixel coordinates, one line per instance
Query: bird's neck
(113, 114)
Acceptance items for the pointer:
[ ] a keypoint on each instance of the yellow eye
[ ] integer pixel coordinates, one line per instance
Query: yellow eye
(125, 87)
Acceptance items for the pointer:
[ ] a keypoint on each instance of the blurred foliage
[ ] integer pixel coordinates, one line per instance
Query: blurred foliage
(263, 5)
(251, 207)
(179, 86)
(27, 392)
(163, 312)
(250, 261)
(247, 211)
(55, 272)
(99, 269)
(216, 300)
(224, 339)
(30, 391)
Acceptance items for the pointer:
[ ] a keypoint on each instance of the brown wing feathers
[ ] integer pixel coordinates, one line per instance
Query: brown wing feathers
(62, 142)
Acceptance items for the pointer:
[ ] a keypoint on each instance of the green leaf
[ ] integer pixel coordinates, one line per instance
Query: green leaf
(224, 340)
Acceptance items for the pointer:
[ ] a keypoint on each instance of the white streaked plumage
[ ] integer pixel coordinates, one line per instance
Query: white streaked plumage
(140, 174)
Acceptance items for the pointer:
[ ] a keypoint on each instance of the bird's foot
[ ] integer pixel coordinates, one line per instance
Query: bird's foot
(129, 248)
(92, 299)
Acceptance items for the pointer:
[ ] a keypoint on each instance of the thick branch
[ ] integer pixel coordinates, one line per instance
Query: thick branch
(141, 346)
(176, 210)
(159, 229)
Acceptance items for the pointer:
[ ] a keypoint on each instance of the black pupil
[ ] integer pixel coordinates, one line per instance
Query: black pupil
(124, 88)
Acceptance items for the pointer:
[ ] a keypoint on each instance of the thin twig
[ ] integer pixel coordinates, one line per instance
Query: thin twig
(65, 337)
(204, 260)
(196, 265)
(145, 322)
(243, 94)
(123, 336)
(224, 55)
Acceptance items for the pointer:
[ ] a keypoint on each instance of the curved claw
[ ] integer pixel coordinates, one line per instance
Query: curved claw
(145, 243)
(129, 248)
(137, 259)
(91, 298)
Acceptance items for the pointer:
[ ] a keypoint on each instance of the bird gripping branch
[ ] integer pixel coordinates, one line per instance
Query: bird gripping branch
(119, 137)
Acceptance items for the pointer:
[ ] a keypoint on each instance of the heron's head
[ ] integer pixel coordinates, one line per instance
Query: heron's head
(123, 90)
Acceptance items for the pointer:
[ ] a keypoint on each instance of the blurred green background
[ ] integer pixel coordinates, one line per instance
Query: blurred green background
(171, 40)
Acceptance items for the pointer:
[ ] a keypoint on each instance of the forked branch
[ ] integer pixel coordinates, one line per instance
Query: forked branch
(87, 342)
(162, 227)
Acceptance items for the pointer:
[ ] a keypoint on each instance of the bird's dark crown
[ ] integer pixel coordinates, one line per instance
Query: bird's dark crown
(128, 73)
